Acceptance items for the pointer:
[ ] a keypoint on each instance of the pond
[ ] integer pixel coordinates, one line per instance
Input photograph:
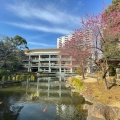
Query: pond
(45, 99)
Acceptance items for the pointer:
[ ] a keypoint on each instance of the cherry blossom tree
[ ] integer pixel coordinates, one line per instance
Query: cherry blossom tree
(105, 28)
(78, 48)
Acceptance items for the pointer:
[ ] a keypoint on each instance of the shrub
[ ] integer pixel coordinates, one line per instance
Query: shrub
(112, 71)
(13, 78)
(3, 78)
(9, 78)
(22, 77)
(17, 77)
(3, 73)
(77, 83)
(32, 77)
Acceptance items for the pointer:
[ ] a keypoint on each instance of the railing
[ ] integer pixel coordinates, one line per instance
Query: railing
(26, 65)
(34, 58)
(54, 59)
(44, 64)
(34, 64)
(45, 59)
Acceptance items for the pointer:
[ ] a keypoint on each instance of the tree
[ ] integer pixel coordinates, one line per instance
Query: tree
(111, 16)
(105, 30)
(78, 48)
(11, 53)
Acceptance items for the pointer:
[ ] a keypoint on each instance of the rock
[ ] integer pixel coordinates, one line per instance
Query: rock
(86, 106)
(103, 112)
(88, 98)
(94, 118)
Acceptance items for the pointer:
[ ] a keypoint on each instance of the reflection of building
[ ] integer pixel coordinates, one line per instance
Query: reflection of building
(51, 88)
(59, 102)
(46, 60)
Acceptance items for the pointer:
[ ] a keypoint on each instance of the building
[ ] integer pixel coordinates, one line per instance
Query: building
(63, 39)
(85, 34)
(50, 61)
(47, 61)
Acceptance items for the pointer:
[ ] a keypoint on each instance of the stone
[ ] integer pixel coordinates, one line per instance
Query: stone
(103, 112)
(94, 118)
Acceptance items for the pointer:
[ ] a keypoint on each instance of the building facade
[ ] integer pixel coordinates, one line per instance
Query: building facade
(50, 61)
(47, 61)
(63, 39)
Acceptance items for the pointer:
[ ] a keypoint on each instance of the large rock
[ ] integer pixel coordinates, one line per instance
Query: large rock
(102, 112)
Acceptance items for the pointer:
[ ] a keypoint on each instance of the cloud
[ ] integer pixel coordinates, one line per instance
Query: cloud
(46, 13)
(41, 28)
(41, 44)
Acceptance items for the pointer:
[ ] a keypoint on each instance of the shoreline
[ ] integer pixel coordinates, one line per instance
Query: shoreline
(99, 110)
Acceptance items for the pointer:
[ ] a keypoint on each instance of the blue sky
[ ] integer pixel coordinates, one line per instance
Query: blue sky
(41, 22)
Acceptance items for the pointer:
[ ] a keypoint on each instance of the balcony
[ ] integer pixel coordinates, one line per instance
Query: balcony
(47, 64)
(34, 59)
(26, 65)
(44, 59)
(54, 59)
(36, 65)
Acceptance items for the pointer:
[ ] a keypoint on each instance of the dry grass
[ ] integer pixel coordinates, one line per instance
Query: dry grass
(97, 91)
(100, 94)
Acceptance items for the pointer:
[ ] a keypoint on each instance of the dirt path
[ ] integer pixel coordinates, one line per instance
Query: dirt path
(89, 79)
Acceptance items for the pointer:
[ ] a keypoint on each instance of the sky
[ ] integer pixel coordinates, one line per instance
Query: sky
(41, 22)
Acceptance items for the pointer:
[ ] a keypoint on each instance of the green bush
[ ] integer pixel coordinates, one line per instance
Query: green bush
(3, 78)
(9, 78)
(17, 77)
(112, 71)
(77, 83)
(3, 73)
(22, 77)
(32, 77)
(13, 78)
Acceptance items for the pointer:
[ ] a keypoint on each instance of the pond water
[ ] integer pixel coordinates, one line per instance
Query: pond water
(45, 99)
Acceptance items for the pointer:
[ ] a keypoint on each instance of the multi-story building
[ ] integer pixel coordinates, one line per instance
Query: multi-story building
(85, 34)
(63, 39)
(46, 60)
(50, 61)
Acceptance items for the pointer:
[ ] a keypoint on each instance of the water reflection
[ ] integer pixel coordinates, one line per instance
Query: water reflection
(53, 102)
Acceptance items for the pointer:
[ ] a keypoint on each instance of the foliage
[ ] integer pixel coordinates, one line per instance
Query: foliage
(3, 72)
(111, 17)
(17, 77)
(9, 78)
(3, 78)
(112, 71)
(105, 29)
(34, 96)
(32, 77)
(77, 83)
(13, 78)
(79, 49)
(11, 54)
(22, 77)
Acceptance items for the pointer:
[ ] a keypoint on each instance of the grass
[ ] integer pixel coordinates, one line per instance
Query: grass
(100, 94)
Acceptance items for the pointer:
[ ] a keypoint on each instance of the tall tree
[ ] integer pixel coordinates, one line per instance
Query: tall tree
(105, 30)
(11, 52)
(78, 48)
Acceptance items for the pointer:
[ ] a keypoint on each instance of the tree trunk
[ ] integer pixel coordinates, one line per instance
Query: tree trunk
(104, 79)
(105, 82)
(83, 76)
